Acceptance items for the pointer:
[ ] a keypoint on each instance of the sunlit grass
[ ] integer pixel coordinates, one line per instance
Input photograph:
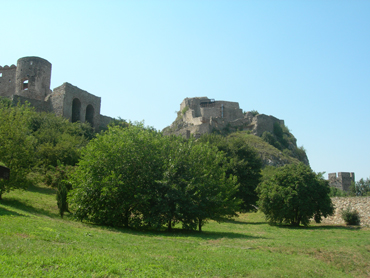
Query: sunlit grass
(36, 242)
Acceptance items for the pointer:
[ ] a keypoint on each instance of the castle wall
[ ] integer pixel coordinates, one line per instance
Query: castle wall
(7, 80)
(361, 204)
(72, 92)
(343, 181)
(264, 123)
(33, 77)
(39, 105)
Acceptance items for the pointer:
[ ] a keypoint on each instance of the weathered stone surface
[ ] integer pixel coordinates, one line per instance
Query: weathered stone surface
(200, 115)
(343, 181)
(30, 81)
(361, 204)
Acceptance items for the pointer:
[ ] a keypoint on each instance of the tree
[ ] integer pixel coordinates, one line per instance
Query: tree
(16, 145)
(293, 195)
(195, 187)
(115, 176)
(242, 162)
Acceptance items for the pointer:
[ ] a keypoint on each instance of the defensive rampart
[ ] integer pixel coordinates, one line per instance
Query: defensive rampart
(361, 204)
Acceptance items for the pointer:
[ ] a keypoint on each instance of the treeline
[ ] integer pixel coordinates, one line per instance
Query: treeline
(359, 188)
(31, 143)
(131, 175)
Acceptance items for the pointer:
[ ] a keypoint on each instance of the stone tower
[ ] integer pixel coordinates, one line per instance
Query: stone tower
(33, 77)
(343, 181)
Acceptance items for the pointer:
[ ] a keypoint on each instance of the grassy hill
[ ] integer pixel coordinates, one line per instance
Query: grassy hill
(36, 242)
(269, 154)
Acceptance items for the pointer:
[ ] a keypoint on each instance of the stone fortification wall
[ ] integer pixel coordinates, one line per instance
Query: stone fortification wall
(33, 77)
(343, 181)
(7, 80)
(104, 121)
(361, 204)
(85, 100)
(39, 105)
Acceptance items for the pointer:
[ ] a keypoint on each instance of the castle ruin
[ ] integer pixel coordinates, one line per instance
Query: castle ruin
(201, 115)
(29, 81)
(343, 181)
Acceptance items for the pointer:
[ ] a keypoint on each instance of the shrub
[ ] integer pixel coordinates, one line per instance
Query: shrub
(351, 217)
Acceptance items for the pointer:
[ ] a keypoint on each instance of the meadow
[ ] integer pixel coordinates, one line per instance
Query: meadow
(36, 242)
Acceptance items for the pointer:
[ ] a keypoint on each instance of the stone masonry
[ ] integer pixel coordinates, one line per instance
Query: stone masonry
(361, 204)
(343, 181)
(201, 115)
(29, 81)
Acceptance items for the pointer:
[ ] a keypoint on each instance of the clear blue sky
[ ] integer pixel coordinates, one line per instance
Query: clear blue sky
(306, 62)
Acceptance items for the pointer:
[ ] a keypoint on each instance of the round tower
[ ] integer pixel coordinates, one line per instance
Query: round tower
(33, 78)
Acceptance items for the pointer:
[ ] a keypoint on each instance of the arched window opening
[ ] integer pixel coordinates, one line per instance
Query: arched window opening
(25, 84)
(76, 109)
(90, 114)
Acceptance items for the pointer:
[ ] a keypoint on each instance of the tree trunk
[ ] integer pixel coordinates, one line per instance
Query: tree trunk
(125, 218)
(169, 228)
(200, 225)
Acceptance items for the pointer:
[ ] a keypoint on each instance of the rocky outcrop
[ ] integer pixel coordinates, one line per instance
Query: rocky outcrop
(202, 115)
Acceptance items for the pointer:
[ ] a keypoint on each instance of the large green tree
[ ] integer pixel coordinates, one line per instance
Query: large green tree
(16, 145)
(135, 176)
(195, 187)
(242, 162)
(294, 194)
(115, 175)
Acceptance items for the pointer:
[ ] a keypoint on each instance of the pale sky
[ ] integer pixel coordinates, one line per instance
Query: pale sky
(306, 62)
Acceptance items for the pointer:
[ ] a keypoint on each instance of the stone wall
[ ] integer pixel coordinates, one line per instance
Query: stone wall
(7, 80)
(361, 204)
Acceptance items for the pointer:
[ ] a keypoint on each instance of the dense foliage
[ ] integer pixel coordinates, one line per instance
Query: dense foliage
(16, 145)
(31, 142)
(294, 194)
(136, 177)
(242, 162)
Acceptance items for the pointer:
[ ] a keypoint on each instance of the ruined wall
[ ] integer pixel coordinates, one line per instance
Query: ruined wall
(86, 100)
(39, 105)
(361, 204)
(7, 80)
(33, 77)
(264, 123)
(104, 121)
(343, 181)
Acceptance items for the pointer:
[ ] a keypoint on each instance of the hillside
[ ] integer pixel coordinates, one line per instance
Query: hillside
(274, 142)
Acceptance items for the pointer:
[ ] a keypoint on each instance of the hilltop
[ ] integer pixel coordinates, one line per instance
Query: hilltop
(274, 142)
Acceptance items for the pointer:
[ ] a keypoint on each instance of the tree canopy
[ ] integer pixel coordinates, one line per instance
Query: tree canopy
(294, 194)
(135, 176)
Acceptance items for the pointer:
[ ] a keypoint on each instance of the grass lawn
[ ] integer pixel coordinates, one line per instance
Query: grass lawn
(36, 242)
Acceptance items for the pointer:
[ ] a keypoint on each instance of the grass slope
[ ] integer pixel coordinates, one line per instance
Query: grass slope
(268, 152)
(35, 242)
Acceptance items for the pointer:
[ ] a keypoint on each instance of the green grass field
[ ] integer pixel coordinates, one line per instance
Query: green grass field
(36, 242)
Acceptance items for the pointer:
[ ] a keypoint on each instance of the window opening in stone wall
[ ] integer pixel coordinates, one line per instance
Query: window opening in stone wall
(25, 85)
(76, 110)
(31, 63)
(1, 74)
(90, 114)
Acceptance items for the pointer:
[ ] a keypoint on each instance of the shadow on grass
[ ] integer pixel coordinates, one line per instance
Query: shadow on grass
(12, 202)
(4, 211)
(42, 190)
(178, 233)
(321, 227)
(243, 222)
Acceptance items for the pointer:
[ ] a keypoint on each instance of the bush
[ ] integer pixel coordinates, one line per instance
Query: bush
(351, 217)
